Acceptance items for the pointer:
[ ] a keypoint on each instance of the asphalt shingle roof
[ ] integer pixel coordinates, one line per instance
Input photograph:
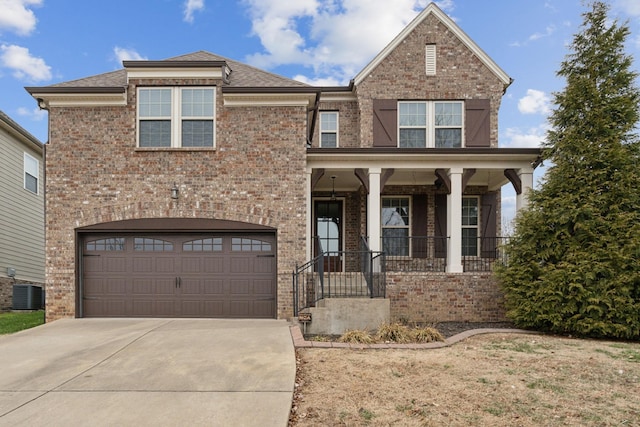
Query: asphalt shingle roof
(242, 75)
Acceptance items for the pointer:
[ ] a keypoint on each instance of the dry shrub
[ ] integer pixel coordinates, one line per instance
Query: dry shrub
(356, 336)
(394, 332)
(427, 334)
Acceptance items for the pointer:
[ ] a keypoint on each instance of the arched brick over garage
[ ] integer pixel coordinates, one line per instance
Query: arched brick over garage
(176, 267)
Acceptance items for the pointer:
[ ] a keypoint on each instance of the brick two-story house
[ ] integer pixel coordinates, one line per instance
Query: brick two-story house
(196, 186)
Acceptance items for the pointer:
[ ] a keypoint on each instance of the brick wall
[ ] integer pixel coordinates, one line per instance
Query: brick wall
(95, 174)
(442, 297)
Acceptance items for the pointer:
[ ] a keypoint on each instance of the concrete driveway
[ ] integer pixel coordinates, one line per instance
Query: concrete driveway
(169, 372)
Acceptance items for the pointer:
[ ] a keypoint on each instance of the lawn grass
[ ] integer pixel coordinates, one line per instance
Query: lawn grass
(17, 321)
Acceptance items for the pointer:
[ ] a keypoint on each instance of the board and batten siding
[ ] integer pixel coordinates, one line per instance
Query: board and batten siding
(21, 211)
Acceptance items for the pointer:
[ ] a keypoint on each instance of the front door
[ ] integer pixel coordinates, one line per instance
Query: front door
(328, 229)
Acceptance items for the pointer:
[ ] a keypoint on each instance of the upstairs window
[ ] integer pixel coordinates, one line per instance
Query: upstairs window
(176, 117)
(423, 124)
(329, 129)
(31, 173)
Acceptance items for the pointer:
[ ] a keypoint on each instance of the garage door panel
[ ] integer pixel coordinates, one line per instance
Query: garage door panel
(166, 275)
(263, 265)
(262, 287)
(239, 287)
(115, 286)
(240, 264)
(214, 287)
(142, 264)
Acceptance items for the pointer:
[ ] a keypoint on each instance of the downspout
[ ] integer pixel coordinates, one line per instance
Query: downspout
(314, 117)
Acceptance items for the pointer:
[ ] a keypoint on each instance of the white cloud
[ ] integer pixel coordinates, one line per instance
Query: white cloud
(24, 65)
(534, 102)
(191, 6)
(530, 138)
(337, 36)
(17, 17)
(630, 7)
(326, 81)
(124, 54)
(35, 114)
(548, 32)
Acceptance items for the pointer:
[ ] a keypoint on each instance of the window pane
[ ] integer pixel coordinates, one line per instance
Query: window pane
(469, 211)
(413, 113)
(203, 245)
(154, 103)
(448, 114)
(395, 241)
(155, 133)
(31, 183)
(197, 133)
(413, 138)
(469, 241)
(329, 121)
(448, 138)
(110, 244)
(329, 140)
(151, 245)
(197, 103)
(249, 245)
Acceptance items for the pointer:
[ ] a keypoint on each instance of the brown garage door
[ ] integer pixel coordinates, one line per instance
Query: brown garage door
(183, 275)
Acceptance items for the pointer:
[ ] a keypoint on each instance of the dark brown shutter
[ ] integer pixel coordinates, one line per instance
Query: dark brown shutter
(385, 123)
(489, 225)
(419, 241)
(441, 226)
(477, 123)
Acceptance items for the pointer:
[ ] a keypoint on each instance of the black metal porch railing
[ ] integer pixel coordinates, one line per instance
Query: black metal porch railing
(483, 253)
(424, 253)
(339, 274)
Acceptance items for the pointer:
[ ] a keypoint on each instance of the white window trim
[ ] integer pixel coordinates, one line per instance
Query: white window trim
(477, 226)
(408, 226)
(176, 116)
(431, 122)
(27, 170)
(336, 132)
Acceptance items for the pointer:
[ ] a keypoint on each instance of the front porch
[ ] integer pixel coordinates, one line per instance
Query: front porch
(362, 289)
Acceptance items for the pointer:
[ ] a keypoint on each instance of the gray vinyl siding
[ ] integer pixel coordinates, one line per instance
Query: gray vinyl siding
(21, 211)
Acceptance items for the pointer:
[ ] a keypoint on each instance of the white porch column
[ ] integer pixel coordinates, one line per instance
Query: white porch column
(526, 181)
(454, 222)
(373, 210)
(309, 216)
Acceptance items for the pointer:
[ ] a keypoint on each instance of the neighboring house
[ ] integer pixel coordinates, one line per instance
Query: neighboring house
(200, 186)
(21, 209)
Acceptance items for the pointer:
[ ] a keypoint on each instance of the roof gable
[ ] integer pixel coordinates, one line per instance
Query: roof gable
(435, 11)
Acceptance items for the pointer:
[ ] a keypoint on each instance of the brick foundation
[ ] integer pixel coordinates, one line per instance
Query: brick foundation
(442, 297)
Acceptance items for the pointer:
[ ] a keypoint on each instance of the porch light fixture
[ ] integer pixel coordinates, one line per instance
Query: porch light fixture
(333, 187)
(175, 192)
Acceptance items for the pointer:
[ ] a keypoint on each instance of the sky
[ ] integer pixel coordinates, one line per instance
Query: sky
(320, 42)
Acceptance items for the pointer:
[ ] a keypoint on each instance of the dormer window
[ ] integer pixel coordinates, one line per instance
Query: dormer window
(176, 117)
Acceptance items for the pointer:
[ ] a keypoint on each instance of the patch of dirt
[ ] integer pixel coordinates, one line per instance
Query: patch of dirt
(486, 380)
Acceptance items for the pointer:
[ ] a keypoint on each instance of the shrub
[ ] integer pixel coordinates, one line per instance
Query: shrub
(427, 334)
(395, 332)
(356, 336)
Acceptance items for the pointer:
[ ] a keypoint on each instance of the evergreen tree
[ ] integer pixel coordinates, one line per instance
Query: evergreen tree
(574, 260)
